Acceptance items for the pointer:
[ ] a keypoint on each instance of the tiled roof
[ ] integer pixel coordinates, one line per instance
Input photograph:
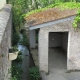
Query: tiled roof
(49, 15)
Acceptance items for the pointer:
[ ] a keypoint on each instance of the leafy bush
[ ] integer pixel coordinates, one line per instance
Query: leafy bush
(13, 78)
(20, 53)
(16, 72)
(24, 41)
(34, 73)
(15, 39)
(61, 5)
(19, 59)
(77, 20)
(13, 49)
(16, 69)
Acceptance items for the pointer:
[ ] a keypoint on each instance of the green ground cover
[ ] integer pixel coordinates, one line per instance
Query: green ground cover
(62, 6)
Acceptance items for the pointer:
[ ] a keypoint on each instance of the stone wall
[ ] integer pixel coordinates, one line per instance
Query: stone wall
(5, 41)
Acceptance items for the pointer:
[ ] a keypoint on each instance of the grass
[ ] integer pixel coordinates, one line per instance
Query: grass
(62, 6)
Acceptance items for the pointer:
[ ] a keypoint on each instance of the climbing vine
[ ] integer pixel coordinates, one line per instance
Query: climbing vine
(76, 20)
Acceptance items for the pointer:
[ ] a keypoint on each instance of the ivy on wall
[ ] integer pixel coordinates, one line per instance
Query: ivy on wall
(76, 20)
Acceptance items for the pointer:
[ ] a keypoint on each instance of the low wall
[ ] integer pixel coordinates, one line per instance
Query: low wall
(5, 41)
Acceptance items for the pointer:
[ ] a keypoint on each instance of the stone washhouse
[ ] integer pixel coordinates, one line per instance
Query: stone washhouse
(55, 30)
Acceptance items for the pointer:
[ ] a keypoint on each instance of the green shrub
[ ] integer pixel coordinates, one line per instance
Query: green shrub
(34, 73)
(13, 49)
(19, 59)
(13, 78)
(15, 38)
(61, 5)
(76, 20)
(24, 41)
(16, 69)
(16, 72)
(20, 53)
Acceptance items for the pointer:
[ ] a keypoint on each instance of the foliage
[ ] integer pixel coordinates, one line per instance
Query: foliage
(68, 5)
(13, 78)
(16, 69)
(19, 59)
(20, 53)
(16, 72)
(15, 38)
(13, 49)
(62, 6)
(18, 9)
(24, 41)
(35, 11)
(76, 20)
(36, 4)
(34, 73)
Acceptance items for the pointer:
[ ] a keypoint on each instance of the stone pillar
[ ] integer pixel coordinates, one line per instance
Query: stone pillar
(32, 39)
(43, 51)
